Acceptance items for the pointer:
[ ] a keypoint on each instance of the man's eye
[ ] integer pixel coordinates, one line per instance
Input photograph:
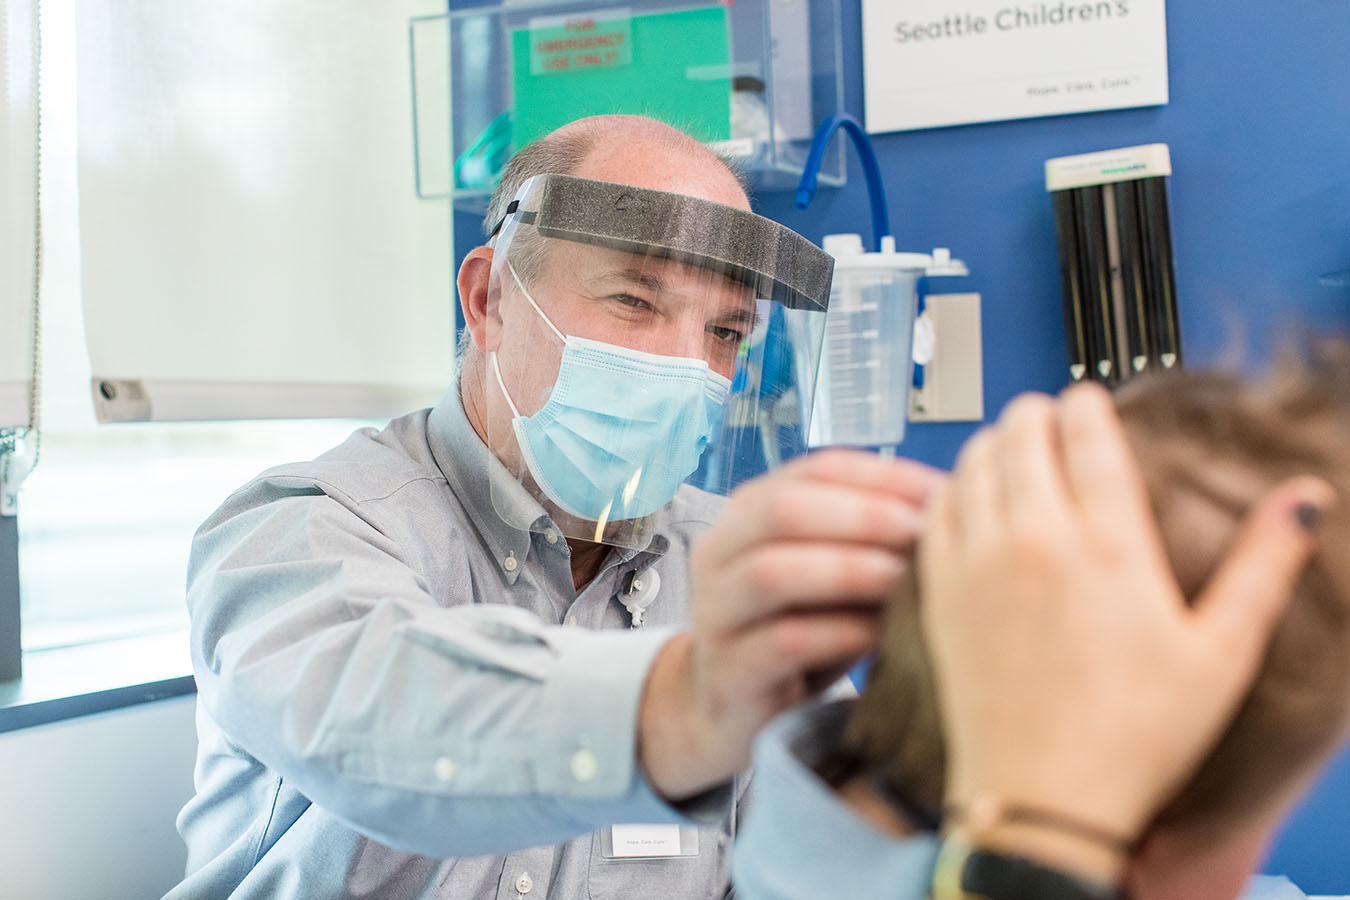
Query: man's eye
(630, 301)
(727, 335)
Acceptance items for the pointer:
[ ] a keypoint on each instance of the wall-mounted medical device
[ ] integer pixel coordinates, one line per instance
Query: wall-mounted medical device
(750, 78)
(1115, 261)
(867, 364)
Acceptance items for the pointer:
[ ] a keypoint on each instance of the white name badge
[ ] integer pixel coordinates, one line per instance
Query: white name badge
(648, 841)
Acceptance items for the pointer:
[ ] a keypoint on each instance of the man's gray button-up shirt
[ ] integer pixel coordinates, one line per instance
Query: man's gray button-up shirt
(389, 702)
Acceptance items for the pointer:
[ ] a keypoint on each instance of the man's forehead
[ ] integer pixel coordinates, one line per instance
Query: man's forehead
(655, 272)
(662, 166)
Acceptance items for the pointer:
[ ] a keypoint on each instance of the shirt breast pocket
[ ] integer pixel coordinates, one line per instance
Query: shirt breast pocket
(700, 877)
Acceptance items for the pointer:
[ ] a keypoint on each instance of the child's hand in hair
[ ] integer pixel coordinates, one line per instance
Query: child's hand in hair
(1072, 675)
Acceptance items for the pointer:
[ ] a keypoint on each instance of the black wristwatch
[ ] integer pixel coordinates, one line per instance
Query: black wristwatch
(966, 873)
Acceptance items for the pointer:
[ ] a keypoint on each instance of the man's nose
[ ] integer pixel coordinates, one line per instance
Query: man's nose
(691, 342)
(677, 338)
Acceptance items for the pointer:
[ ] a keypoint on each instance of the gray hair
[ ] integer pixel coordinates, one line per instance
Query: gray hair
(559, 153)
(554, 154)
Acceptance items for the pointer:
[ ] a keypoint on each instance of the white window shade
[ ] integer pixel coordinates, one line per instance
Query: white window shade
(251, 243)
(17, 131)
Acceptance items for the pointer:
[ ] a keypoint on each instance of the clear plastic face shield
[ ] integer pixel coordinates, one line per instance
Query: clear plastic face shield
(640, 344)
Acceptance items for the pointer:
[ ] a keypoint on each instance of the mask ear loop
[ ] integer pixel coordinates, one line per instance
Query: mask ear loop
(497, 370)
(520, 284)
(496, 367)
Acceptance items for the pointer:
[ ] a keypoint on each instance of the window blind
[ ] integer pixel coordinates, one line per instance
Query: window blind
(16, 209)
(251, 242)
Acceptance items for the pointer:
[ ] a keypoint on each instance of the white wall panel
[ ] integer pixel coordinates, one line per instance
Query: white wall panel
(247, 210)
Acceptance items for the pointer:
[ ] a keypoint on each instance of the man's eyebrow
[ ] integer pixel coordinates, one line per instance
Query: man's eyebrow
(742, 314)
(648, 280)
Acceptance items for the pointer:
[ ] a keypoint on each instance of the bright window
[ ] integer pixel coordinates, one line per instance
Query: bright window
(106, 519)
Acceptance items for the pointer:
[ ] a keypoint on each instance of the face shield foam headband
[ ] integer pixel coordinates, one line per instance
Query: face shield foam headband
(621, 429)
(775, 262)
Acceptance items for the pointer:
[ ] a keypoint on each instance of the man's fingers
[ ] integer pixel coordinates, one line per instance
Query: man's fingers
(904, 479)
(1249, 591)
(789, 575)
(807, 508)
(804, 643)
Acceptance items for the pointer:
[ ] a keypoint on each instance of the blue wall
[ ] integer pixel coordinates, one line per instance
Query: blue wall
(1259, 130)
(1312, 850)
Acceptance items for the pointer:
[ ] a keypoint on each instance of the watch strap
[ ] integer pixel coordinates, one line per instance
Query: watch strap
(964, 872)
(1001, 877)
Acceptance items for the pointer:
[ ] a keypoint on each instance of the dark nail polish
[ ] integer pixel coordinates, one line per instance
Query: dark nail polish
(1308, 515)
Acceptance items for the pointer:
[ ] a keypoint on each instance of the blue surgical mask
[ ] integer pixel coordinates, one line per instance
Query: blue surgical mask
(622, 429)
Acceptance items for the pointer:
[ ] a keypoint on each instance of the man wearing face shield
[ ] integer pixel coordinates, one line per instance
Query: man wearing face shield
(453, 658)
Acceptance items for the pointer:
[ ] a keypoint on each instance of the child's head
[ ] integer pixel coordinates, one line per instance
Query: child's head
(1208, 446)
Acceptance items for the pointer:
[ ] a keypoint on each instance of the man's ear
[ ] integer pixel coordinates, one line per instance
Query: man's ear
(481, 318)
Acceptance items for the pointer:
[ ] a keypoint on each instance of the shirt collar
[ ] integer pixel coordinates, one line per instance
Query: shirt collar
(495, 501)
(464, 460)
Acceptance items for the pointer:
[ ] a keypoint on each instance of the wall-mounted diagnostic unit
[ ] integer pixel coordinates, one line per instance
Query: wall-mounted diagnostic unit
(1115, 261)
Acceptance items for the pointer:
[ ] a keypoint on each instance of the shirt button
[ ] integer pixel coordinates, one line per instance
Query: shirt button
(572, 621)
(550, 535)
(524, 883)
(445, 768)
(585, 766)
(509, 564)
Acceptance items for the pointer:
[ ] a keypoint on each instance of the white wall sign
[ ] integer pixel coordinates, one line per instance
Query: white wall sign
(928, 63)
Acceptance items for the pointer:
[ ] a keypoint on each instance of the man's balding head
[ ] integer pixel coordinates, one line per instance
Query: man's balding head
(629, 150)
(626, 150)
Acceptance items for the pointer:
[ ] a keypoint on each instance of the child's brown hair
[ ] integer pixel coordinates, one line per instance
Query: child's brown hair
(1208, 445)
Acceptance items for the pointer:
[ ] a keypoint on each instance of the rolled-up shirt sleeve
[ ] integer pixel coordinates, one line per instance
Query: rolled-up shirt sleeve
(800, 841)
(435, 728)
